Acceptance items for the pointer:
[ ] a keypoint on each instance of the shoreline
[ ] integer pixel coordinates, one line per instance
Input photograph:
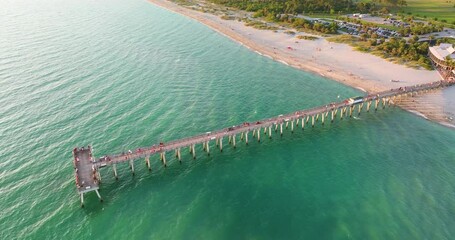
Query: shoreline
(338, 62)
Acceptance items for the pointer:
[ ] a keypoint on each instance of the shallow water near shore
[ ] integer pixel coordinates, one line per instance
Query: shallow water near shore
(125, 74)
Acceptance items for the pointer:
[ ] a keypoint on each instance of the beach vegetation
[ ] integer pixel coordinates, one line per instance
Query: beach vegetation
(305, 37)
(289, 32)
(411, 53)
(260, 25)
(227, 17)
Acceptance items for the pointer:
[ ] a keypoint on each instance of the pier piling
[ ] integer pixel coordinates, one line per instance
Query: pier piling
(259, 134)
(99, 196)
(221, 144)
(193, 151)
(114, 166)
(132, 166)
(147, 161)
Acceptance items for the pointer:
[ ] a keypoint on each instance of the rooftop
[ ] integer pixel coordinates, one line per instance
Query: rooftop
(442, 51)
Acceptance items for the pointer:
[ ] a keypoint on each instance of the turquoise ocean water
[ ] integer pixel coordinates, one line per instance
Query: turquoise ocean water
(124, 74)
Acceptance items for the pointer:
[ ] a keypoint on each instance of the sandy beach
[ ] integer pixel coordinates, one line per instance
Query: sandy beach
(339, 62)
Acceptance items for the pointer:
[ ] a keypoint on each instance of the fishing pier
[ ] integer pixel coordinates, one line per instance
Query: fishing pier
(87, 167)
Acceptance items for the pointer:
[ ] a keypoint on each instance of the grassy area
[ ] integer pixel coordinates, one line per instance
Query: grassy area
(443, 10)
(440, 9)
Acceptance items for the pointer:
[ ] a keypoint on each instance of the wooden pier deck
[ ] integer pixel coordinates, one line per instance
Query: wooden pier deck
(87, 168)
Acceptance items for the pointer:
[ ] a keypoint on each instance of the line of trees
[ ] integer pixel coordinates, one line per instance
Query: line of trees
(275, 7)
(302, 24)
(419, 28)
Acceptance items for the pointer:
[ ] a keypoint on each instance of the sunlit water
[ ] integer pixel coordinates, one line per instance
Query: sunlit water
(124, 74)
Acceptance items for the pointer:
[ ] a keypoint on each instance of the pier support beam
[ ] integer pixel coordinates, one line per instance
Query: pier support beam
(241, 136)
(259, 134)
(233, 140)
(331, 119)
(368, 106)
(317, 117)
(270, 131)
(207, 147)
(193, 151)
(351, 109)
(265, 131)
(360, 108)
(376, 105)
(179, 155)
(312, 121)
(147, 161)
(287, 124)
(114, 166)
(164, 159)
(82, 199)
(99, 196)
(292, 126)
(132, 166)
(221, 144)
(303, 123)
(276, 127)
(297, 122)
(246, 138)
(323, 118)
(281, 129)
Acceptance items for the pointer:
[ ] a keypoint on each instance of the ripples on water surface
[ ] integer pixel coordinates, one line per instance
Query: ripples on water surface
(122, 74)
